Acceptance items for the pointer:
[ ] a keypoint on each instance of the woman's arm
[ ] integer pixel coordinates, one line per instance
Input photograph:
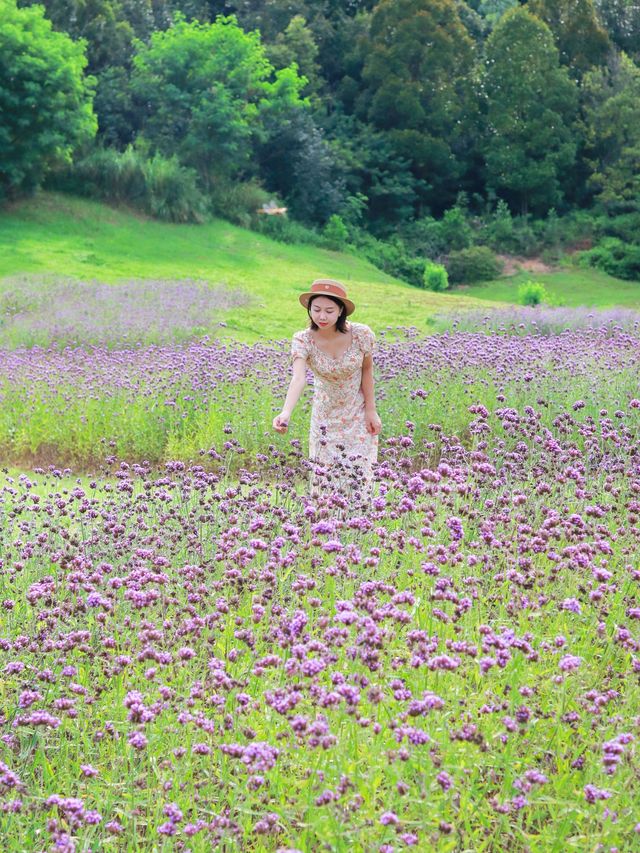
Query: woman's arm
(296, 387)
(374, 424)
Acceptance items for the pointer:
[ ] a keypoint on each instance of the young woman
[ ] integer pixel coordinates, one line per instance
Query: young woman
(343, 437)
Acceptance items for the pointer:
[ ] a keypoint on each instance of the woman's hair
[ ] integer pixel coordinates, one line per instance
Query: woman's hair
(342, 319)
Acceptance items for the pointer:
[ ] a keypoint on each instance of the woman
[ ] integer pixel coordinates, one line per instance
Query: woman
(343, 438)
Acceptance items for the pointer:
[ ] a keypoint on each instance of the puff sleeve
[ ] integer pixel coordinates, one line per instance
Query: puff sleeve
(367, 340)
(299, 347)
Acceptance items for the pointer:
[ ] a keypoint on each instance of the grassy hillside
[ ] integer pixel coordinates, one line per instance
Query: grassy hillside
(58, 234)
(567, 285)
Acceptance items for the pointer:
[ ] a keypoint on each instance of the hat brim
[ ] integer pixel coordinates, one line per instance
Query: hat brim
(348, 304)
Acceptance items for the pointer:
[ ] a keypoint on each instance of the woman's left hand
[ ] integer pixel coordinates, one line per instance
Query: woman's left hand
(373, 422)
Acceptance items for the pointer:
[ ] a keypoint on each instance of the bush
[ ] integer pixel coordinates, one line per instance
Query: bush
(615, 257)
(478, 263)
(286, 230)
(625, 227)
(435, 277)
(393, 257)
(239, 202)
(171, 191)
(455, 229)
(426, 237)
(532, 293)
(435, 237)
(498, 228)
(159, 186)
(335, 232)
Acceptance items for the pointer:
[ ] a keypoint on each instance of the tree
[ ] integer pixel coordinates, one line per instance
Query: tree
(580, 37)
(530, 103)
(45, 99)
(417, 66)
(611, 109)
(297, 162)
(296, 44)
(108, 27)
(101, 23)
(621, 19)
(376, 173)
(207, 93)
(493, 10)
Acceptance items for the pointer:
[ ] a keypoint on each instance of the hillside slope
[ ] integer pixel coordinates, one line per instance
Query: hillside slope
(61, 235)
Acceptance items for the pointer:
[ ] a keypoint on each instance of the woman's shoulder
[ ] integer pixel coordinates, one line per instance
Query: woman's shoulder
(300, 344)
(361, 329)
(364, 336)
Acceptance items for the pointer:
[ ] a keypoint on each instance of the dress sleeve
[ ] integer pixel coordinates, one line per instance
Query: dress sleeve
(299, 348)
(367, 340)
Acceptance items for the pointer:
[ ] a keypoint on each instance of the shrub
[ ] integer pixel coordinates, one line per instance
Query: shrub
(426, 237)
(455, 229)
(615, 257)
(287, 230)
(435, 237)
(435, 277)
(477, 263)
(393, 257)
(335, 232)
(159, 186)
(498, 228)
(239, 202)
(171, 191)
(626, 227)
(532, 293)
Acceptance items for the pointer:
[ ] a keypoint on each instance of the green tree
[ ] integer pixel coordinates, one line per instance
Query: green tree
(108, 28)
(418, 61)
(530, 103)
(297, 162)
(102, 23)
(493, 10)
(579, 35)
(209, 95)
(297, 45)
(621, 19)
(45, 99)
(611, 111)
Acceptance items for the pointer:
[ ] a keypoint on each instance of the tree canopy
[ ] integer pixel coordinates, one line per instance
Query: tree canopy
(392, 107)
(45, 97)
(530, 103)
(207, 94)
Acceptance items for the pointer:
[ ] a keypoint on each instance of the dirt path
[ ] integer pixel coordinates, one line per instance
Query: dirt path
(516, 263)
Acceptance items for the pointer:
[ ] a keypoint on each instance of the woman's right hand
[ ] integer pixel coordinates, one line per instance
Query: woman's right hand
(281, 422)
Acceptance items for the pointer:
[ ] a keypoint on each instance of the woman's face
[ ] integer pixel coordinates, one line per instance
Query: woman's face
(324, 312)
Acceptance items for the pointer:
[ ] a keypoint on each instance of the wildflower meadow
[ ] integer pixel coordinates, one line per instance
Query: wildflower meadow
(195, 656)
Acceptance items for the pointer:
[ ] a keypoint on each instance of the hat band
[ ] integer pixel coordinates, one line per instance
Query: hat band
(329, 288)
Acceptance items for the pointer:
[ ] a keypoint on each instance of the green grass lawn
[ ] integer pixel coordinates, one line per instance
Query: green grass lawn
(568, 285)
(59, 234)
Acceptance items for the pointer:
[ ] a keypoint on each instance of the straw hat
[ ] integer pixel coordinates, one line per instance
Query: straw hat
(328, 287)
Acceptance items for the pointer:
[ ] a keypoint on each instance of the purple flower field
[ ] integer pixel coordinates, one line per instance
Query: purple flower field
(195, 656)
(111, 315)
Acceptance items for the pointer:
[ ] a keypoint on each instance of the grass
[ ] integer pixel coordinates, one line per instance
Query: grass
(568, 285)
(59, 234)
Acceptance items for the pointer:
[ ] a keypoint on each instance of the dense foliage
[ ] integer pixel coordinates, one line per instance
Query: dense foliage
(45, 99)
(367, 118)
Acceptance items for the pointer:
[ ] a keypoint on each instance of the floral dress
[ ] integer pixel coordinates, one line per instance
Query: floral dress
(341, 450)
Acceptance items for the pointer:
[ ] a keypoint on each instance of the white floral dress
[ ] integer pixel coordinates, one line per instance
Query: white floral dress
(341, 451)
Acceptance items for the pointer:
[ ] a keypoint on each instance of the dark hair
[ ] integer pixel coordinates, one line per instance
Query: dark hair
(342, 319)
